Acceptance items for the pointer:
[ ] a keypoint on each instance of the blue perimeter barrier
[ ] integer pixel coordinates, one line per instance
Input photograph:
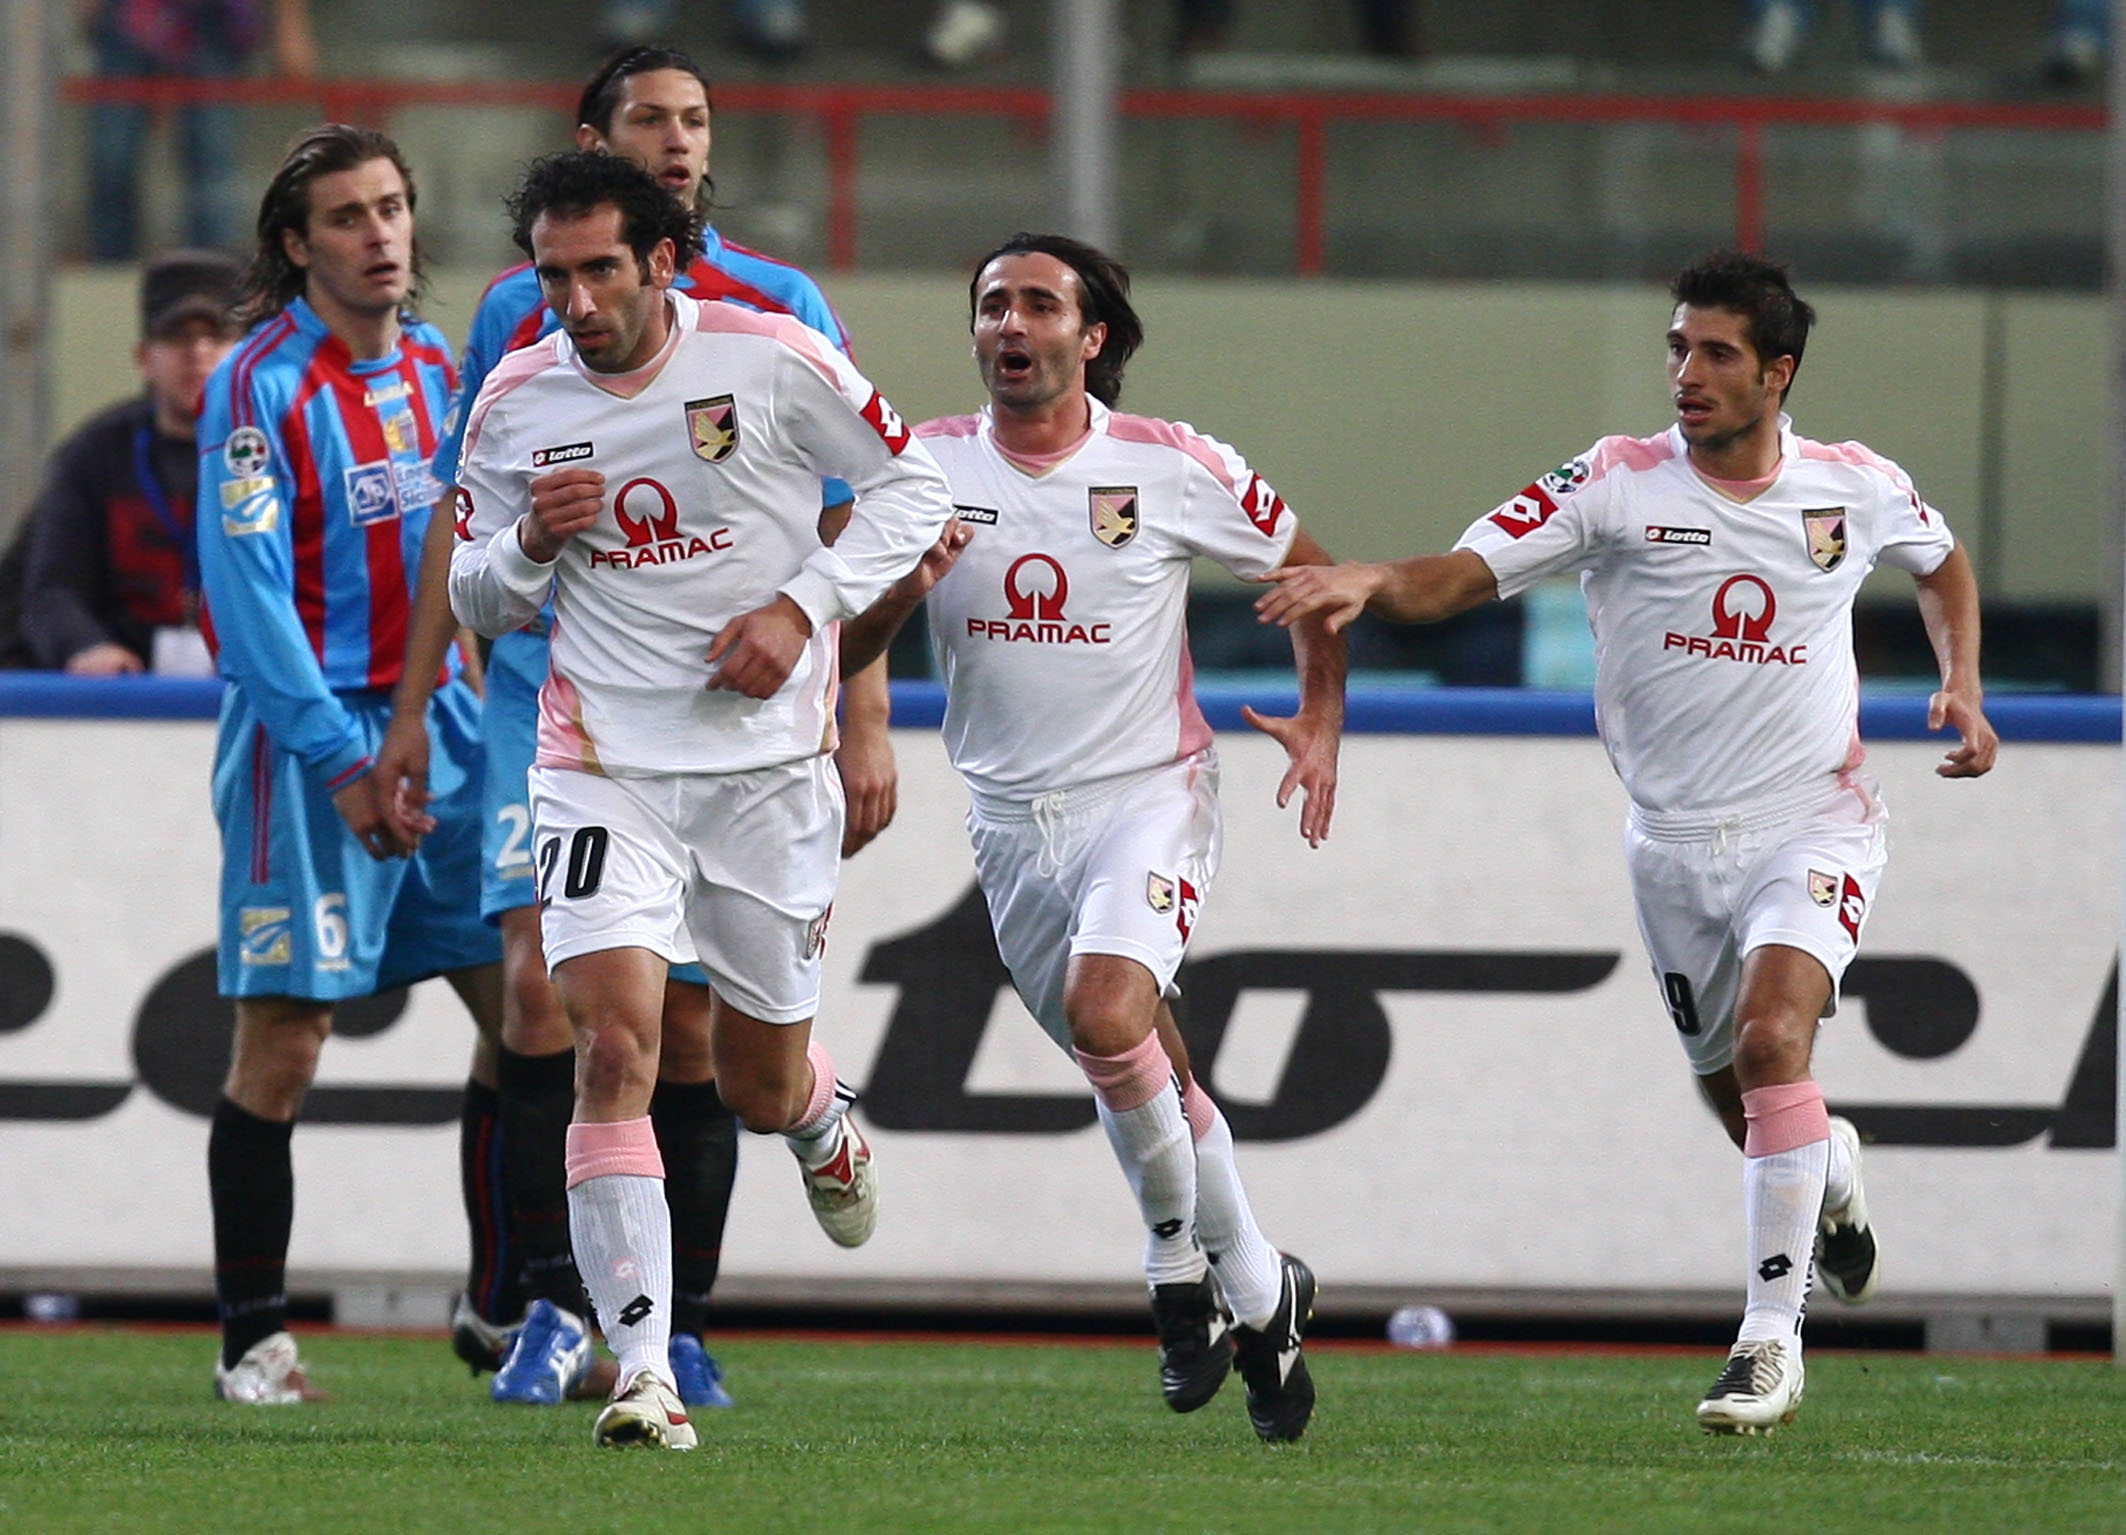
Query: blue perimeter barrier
(1370, 710)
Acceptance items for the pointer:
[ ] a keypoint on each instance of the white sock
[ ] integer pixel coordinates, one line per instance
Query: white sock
(622, 1231)
(1249, 1275)
(1838, 1176)
(1152, 1143)
(1782, 1196)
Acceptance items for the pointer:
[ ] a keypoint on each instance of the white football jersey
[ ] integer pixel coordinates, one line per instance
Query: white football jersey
(1062, 628)
(1723, 628)
(712, 455)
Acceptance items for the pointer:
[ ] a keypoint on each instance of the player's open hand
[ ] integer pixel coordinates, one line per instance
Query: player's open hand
(401, 775)
(1973, 758)
(757, 651)
(360, 806)
(870, 782)
(563, 504)
(1338, 592)
(1311, 742)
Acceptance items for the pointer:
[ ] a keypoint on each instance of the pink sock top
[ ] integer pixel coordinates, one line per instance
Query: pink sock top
(1202, 1113)
(625, 1146)
(1782, 1117)
(822, 1087)
(1133, 1078)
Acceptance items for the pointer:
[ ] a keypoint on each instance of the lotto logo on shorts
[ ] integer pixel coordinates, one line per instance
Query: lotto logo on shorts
(1173, 895)
(265, 935)
(1852, 907)
(816, 934)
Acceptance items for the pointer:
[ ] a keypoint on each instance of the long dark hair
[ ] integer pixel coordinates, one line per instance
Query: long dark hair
(273, 282)
(1103, 294)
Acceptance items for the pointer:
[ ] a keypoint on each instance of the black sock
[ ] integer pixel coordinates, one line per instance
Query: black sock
(698, 1139)
(251, 1184)
(491, 1281)
(538, 1100)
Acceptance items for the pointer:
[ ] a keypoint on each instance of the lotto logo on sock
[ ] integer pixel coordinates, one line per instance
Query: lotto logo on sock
(1777, 1266)
(636, 1311)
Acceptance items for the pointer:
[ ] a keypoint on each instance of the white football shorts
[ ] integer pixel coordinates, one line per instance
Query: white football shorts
(1119, 867)
(1709, 891)
(742, 864)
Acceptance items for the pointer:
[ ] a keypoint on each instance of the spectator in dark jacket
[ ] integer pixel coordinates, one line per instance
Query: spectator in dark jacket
(112, 580)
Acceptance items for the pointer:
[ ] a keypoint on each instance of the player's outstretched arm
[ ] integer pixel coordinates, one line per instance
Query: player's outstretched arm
(1420, 590)
(1313, 736)
(866, 636)
(1948, 606)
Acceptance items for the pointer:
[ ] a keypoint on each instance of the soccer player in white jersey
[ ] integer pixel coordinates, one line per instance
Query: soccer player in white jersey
(656, 464)
(1720, 562)
(1058, 611)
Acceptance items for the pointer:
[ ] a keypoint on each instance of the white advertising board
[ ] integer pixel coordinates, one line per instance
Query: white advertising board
(1436, 1037)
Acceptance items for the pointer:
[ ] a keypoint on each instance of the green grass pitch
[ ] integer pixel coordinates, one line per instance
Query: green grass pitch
(115, 1429)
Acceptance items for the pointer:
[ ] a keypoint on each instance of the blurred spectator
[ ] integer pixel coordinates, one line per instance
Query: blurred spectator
(1889, 32)
(112, 581)
(180, 40)
(961, 31)
(2074, 55)
(1387, 28)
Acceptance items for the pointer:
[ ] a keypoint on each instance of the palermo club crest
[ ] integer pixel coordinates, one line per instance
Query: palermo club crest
(712, 427)
(1826, 535)
(1114, 513)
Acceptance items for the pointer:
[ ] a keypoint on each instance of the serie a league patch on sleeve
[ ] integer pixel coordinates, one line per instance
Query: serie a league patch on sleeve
(246, 453)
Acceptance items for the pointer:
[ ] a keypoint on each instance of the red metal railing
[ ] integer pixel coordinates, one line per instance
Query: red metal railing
(841, 109)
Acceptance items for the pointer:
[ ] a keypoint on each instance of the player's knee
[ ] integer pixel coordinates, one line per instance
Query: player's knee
(616, 1068)
(1771, 1046)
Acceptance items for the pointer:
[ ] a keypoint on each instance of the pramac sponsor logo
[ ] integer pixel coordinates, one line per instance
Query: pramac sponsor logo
(1035, 590)
(649, 520)
(1743, 610)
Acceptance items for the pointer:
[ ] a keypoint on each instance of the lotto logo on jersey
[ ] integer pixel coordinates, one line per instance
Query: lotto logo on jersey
(887, 422)
(1035, 591)
(566, 453)
(461, 509)
(648, 518)
(1538, 502)
(712, 427)
(1743, 610)
(1113, 509)
(1263, 505)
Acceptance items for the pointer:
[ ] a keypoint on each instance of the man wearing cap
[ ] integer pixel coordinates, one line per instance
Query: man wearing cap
(112, 582)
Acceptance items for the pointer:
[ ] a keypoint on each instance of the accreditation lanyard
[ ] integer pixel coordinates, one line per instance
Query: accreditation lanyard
(159, 503)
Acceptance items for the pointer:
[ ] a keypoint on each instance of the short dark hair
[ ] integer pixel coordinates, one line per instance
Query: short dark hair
(1757, 289)
(1103, 296)
(273, 282)
(573, 184)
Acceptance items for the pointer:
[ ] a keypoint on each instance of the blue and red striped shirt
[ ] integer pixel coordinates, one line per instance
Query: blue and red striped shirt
(315, 489)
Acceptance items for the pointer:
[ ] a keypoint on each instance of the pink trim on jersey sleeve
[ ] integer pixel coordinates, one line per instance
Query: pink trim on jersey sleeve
(950, 426)
(514, 370)
(1172, 434)
(1867, 458)
(1195, 729)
